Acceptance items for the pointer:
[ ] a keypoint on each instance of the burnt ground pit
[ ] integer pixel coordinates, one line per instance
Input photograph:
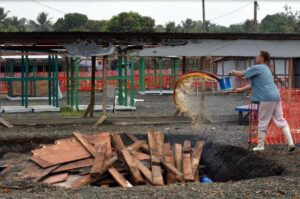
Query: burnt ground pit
(220, 162)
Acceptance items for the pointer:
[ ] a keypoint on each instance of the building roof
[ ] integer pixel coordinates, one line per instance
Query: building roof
(185, 44)
(238, 48)
(51, 38)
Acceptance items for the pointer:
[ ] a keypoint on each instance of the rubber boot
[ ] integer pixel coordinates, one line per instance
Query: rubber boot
(287, 134)
(261, 141)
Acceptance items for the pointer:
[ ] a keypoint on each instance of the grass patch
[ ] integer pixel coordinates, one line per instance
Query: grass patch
(69, 112)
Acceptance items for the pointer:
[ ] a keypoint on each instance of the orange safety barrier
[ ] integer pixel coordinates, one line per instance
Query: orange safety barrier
(85, 85)
(291, 111)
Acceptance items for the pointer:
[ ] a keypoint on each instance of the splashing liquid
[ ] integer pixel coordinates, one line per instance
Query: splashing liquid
(189, 95)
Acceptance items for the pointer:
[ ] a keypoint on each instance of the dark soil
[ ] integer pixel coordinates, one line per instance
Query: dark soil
(22, 139)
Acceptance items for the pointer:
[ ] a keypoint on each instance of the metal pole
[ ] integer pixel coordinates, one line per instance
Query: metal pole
(34, 77)
(93, 83)
(68, 80)
(203, 15)
(142, 75)
(120, 80)
(26, 81)
(132, 81)
(56, 80)
(126, 81)
(49, 79)
(255, 16)
(22, 81)
(155, 74)
(77, 82)
(160, 74)
(53, 80)
(72, 82)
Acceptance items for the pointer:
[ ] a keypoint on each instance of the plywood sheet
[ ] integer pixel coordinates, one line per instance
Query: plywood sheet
(56, 154)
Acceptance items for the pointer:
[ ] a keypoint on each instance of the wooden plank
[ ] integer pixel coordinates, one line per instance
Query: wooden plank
(101, 138)
(119, 178)
(83, 180)
(178, 156)
(68, 182)
(75, 165)
(132, 167)
(118, 142)
(106, 139)
(144, 170)
(20, 169)
(172, 169)
(85, 143)
(136, 145)
(99, 160)
(187, 163)
(160, 143)
(88, 179)
(69, 151)
(56, 178)
(170, 177)
(157, 177)
(6, 123)
(196, 157)
(140, 155)
(145, 147)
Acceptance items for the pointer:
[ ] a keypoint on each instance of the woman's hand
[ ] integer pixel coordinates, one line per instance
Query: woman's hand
(236, 90)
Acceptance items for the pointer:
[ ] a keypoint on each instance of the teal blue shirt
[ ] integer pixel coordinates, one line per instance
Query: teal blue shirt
(262, 83)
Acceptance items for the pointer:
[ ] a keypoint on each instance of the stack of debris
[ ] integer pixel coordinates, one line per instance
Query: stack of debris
(104, 160)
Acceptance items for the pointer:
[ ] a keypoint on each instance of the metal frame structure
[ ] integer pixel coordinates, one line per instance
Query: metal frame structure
(26, 77)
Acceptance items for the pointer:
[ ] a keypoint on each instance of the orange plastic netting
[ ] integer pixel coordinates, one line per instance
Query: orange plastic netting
(291, 111)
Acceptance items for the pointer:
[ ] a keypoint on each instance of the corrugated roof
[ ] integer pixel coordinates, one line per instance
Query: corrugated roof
(243, 48)
(51, 38)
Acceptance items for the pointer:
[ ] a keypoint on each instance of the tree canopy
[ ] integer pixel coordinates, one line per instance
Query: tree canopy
(286, 21)
(130, 22)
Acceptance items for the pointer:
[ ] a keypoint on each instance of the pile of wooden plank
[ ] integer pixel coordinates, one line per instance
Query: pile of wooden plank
(103, 160)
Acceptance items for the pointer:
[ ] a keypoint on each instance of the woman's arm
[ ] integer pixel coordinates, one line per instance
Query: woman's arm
(237, 73)
(241, 89)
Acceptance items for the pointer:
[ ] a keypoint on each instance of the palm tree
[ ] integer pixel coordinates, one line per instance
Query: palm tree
(43, 23)
(14, 22)
(3, 14)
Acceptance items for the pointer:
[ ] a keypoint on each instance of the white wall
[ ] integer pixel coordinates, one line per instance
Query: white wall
(242, 65)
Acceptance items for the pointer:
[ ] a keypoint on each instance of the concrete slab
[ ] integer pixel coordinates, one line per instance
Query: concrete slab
(108, 108)
(157, 92)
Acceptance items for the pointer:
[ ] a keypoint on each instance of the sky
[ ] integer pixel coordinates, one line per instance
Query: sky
(222, 12)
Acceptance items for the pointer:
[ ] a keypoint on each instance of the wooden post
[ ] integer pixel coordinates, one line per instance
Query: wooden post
(291, 73)
(183, 65)
(90, 108)
(187, 163)
(104, 84)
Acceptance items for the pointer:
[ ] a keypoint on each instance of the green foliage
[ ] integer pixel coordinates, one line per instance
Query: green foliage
(42, 23)
(71, 22)
(171, 27)
(3, 14)
(95, 26)
(160, 28)
(286, 21)
(278, 23)
(14, 24)
(131, 22)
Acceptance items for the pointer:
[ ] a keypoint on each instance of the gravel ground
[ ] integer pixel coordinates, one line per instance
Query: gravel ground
(285, 186)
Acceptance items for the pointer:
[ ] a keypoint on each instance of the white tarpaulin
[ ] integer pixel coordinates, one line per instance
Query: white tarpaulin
(239, 48)
(88, 49)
